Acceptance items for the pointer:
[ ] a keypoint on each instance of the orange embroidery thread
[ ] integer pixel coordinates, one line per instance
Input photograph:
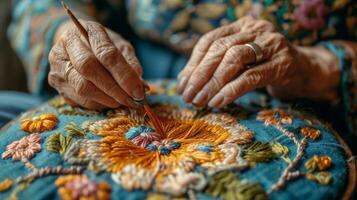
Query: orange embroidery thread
(38, 124)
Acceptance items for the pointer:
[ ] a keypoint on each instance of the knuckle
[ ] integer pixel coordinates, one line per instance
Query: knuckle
(217, 83)
(231, 91)
(199, 76)
(107, 54)
(253, 78)
(232, 52)
(126, 76)
(84, 65)
(218, 44)
(83, 87)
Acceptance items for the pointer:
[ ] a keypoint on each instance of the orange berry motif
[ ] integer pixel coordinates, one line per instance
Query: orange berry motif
(310, 133)
(323, 162)
(38, 124)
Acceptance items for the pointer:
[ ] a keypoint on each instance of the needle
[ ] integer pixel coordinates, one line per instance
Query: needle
(152, 117)
(76, 21)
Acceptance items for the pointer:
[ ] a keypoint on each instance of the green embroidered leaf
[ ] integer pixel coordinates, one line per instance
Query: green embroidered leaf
(74, 131)
(227, 185)
(259, 152)
(58, 143)
(281, 150)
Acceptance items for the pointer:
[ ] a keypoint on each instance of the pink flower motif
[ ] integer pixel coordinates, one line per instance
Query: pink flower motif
(311, 14)
(23, 149)
(144, 139)
(82, 187)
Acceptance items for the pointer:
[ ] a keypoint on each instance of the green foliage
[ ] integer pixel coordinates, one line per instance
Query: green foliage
(259, 152)
(228, 186)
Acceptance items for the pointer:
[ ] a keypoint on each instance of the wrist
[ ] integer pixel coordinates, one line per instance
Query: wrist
(323, 73)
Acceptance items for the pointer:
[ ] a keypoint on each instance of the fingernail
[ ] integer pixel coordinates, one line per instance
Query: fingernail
(200, 98)
(189, 93)
(138, 93)
(217, 101)
(182, 84)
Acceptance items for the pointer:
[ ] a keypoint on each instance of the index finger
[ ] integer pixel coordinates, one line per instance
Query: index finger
(200, 51)
(111, 58)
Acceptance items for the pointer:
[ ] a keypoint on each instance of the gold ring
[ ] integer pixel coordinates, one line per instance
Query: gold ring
(68, 69)
(257, 50)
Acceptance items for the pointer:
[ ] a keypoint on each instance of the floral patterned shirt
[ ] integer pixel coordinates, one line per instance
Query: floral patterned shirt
(179, 24)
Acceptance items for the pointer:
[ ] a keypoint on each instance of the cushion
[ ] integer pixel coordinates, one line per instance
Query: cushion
(255, 148)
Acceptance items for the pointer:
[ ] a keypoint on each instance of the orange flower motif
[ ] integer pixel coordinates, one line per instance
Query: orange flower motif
(80, 187)
(310, 133)
(323, 162)
(274, 116)
(38, 124)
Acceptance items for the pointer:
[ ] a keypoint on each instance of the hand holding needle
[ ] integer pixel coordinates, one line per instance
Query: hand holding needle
(142, 103)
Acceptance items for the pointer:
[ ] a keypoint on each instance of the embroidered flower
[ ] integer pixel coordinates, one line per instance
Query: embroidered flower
(311, 14)
(78, 187)
(23, 149)
(44, 122)
(320, 162)
(274, 116)
(310, 133)
(139, 157)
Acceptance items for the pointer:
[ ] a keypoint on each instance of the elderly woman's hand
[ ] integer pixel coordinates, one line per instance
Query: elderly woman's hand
(218, 71)
(105, 73)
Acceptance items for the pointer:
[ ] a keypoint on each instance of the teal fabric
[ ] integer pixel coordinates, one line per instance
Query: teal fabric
(264, 173)
(13, 103)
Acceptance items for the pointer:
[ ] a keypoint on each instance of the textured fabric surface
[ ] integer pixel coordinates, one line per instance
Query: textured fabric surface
(14, 103)
(253, 116)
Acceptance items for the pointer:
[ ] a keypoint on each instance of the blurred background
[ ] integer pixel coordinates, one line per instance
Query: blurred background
(12, 75)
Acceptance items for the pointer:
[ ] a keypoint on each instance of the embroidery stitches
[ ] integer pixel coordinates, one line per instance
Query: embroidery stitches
(44, 122)
(23, 149)
(162, 162)
(73, 187)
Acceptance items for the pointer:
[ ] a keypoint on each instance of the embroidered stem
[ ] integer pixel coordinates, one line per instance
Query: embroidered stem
(37, 173)
(29, 165)
(287, 174)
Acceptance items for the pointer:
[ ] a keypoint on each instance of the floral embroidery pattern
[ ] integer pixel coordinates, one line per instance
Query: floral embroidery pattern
(23, 149)
(198, 151)
(210, 141)
(80, 187)
(310, 133)
(311, 14)
(44, 122)
(274, 117)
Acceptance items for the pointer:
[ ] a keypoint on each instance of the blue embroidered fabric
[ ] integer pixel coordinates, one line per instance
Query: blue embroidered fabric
(251, 108)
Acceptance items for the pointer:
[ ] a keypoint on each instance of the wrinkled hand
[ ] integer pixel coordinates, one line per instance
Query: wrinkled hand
(218, 73)
(106, 72)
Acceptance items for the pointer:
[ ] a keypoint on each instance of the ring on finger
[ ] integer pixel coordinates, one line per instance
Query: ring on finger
(68, 69)
(257, 50)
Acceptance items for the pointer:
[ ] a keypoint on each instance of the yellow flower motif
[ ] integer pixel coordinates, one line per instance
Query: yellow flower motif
(320, 162)
(310, 133)
(274, 116)
(80, 187)
(38, 124)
